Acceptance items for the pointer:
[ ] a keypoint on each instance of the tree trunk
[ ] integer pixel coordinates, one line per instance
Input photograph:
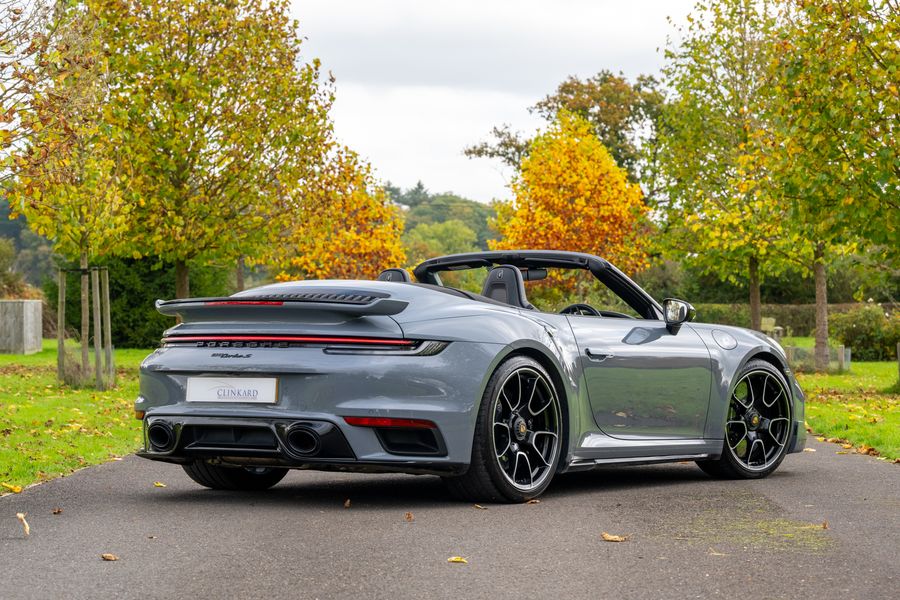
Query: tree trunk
(85, 317)
(819, 276)
(98, 331)
(182, 283)
(755, 304)
(239, 274)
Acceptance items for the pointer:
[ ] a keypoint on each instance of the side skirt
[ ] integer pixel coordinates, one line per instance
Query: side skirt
(599, 449)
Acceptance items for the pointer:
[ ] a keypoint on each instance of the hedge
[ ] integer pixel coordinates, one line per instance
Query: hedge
(799, 318)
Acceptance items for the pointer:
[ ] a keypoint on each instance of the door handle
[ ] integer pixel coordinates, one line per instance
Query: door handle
(598, 355)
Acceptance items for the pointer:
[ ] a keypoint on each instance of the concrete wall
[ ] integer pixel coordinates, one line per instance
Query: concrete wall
(20, 326)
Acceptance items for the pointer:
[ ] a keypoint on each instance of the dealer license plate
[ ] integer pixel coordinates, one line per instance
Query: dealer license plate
(256, 390)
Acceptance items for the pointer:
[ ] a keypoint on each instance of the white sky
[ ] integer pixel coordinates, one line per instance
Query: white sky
(417, 81)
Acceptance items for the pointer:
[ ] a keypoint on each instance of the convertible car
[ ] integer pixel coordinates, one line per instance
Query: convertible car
(484, 389)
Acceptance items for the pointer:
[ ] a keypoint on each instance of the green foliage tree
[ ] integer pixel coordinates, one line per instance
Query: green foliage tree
(713, 211)
(220, 119)
(427, 240)
(831, 149)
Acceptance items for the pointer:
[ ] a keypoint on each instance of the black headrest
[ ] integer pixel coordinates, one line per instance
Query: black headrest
(505, 284)
(400, 275)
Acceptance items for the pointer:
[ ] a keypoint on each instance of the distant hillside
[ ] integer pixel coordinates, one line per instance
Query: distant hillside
(423, 207)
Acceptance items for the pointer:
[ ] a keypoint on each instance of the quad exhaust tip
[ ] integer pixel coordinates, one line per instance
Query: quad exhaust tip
(161, 437)
(303, 441)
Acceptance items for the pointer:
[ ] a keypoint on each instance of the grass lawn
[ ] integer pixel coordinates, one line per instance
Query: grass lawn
(47, 430)
(860, 407)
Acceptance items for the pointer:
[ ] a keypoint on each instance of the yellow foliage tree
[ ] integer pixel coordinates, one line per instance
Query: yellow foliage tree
(570, 195)
(342, 226)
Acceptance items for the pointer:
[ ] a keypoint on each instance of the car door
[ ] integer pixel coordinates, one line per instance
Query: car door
(642, 381)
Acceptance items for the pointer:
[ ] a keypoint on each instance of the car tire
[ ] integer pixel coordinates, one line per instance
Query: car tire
(765, 379)
(488, 479)
(233, 478)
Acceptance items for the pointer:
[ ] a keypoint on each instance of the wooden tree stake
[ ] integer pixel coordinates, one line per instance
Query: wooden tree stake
(98, 333)
(107, 329)
(61, 327)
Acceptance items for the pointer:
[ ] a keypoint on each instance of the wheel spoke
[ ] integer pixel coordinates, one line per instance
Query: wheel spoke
(516, 468)
(756, 443)
(785, 425)
(545, 406)
(775, 399)
(743, 435)
(508, 439)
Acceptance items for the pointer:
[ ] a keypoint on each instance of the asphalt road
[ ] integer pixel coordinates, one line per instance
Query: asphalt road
(688, 536)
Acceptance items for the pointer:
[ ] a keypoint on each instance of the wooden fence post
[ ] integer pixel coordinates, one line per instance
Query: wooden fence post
(107, 329)
(840, 357)
(98, 331)
(898, 361)
(61, 327)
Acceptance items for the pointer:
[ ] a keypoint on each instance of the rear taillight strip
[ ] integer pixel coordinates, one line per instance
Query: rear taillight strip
(302, 339)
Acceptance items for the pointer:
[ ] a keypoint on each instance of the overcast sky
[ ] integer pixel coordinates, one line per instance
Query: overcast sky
(417, 81)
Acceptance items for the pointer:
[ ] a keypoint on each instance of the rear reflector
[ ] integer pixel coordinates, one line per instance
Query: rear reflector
(303, 339)
(388, 422)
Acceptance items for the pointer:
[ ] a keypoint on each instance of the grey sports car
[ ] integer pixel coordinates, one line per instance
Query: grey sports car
(483, 389)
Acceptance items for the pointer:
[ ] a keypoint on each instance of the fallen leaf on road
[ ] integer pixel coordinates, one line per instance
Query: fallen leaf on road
(608, 537)
(480, 507)
(842, 452)
(712, 552)
(347, 503)
(457, 559)
(533, 501)
(833, 440)
(824, 524)
(15, 489)
(621, 414)
(151, 537)
(25, 526)
(809, 449)
(846, 446)
(109, 557)
(409, 517)
(897, 461)
(821, 439)
(158, 484)
(56, 511)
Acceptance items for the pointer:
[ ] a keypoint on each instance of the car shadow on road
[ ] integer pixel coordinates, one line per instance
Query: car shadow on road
(387, 492)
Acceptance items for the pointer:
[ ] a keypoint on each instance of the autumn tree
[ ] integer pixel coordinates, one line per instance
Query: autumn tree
(831, 149)
(23, 37)
(339, 225)
(68, 172)
(623, 116)
(220, 119)
(712, 209)
(570, 195)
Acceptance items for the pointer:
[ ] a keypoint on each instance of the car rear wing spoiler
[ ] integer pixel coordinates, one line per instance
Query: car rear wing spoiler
(349, 303)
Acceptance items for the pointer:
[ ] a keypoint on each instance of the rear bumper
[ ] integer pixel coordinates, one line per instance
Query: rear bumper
(317, 390)
(265, 441)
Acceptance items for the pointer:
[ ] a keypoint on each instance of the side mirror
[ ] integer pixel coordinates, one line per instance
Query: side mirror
(677, 312)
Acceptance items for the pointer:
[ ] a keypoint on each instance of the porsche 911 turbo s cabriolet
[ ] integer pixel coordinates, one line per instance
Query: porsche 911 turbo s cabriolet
(483, 389)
